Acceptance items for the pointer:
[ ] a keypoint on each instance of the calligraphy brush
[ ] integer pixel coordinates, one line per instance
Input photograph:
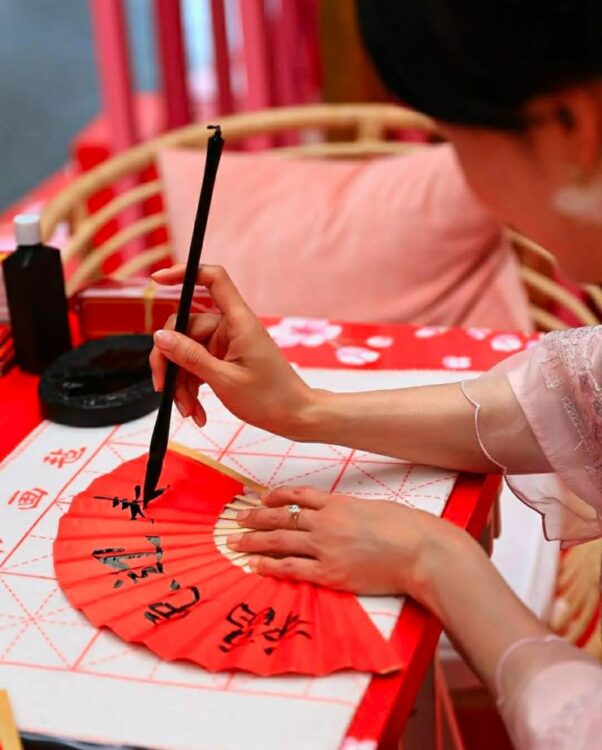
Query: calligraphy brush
(160, 436)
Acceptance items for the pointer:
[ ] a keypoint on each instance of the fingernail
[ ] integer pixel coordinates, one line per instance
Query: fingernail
(241, 516)
(181, 408)
(233, 540)
(253, 562)
(154, 383)
(165, 339)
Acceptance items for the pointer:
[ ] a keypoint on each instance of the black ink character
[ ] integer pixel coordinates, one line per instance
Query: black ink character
(134, 506)
(160, 612)
(118, 560)
(246, 622)
(292, 626)
(252, 625)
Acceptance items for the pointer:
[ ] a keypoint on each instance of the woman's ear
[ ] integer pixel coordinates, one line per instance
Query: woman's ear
(564, 138)
(567, 126)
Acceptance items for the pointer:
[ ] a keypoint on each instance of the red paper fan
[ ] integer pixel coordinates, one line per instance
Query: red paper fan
(162, 576)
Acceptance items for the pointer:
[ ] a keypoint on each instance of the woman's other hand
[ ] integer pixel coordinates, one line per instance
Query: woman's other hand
(364, 546)
(235, 355)
(383, 547)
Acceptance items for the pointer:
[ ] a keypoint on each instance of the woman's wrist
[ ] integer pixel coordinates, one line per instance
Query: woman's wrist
(311, 417)
(455, 580)
(445, 560)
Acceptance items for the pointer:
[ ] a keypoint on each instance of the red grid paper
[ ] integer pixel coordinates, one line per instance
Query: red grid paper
(41, 636)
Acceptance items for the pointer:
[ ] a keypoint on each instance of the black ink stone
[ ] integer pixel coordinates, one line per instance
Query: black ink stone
(102, 382)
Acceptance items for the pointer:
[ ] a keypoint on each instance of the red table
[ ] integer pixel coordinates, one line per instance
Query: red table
(385, 707)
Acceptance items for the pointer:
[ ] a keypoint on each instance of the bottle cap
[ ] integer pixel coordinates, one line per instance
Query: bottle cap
(27, 229)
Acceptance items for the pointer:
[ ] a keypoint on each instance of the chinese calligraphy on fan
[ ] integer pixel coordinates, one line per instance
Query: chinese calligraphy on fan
(251, 626)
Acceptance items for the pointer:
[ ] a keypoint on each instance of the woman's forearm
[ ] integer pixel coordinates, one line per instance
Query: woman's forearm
(478, 610)
(430, 425)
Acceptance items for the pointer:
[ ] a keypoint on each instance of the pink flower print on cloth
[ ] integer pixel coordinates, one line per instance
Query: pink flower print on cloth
(310, 332)
(427, 332)
(380, 342)
(452, 362)
(506, 342)
(479, 334)
(356, 355)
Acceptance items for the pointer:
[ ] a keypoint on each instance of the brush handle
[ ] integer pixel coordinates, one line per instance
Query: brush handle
(160, 436)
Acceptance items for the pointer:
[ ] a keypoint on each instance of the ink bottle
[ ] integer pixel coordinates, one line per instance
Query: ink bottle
(35, 292)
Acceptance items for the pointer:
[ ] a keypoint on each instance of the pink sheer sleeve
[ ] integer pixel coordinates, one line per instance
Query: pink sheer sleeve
(538, 416)
(550, 696)
(551, 431)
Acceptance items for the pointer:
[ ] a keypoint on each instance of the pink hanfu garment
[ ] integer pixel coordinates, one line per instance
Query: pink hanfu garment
(549, 445)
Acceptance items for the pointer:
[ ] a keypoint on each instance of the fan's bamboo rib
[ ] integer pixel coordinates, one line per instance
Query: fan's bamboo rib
(227, 532)
(238, 556)
(202, 459)
(221, 544)
(244, 505)
(9, 736)
(234, 507)
(226, 518)
(253, 501)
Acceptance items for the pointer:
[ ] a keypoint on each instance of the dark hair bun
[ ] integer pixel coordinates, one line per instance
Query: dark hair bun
(478, 62)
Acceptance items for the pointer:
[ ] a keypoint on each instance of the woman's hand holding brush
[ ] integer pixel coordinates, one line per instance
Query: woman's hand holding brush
(235, 355)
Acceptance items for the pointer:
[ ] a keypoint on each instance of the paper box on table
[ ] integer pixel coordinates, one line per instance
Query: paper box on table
(132, 306)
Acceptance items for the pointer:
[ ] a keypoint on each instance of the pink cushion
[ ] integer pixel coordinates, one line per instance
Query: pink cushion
(399, 239)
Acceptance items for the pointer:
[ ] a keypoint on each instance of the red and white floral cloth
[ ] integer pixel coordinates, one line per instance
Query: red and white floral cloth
(324, 343)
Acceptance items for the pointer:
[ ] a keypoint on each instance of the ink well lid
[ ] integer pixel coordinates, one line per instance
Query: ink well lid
(27, 229)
